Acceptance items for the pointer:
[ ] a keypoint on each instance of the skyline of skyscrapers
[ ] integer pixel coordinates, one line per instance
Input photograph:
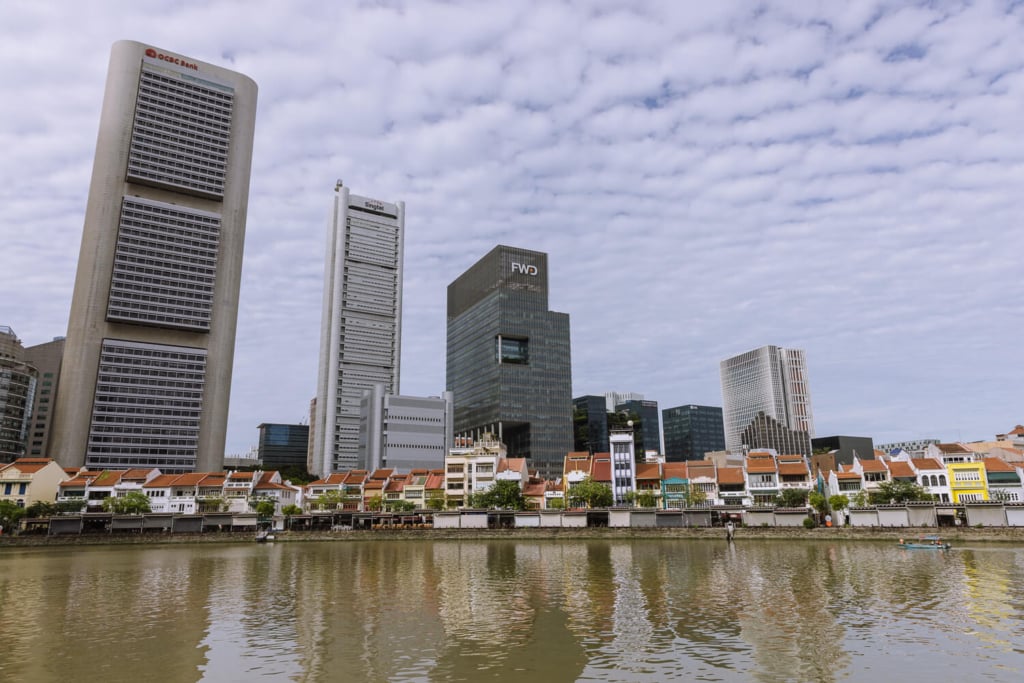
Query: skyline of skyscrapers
(770, 380)
(509, 358)
(361, 321)
(146, 372)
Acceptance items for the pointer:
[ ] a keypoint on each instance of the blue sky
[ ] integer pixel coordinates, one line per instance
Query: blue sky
(706, 178)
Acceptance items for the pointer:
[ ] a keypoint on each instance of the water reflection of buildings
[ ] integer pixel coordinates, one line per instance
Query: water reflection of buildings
(992, 600)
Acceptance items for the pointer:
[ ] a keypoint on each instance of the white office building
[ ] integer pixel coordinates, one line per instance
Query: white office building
(361, 325)
(404, 433)
(772, 380)
(146, 373)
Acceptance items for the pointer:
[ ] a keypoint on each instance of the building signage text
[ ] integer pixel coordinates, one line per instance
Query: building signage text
(374, 205)
(524, 268)
(153, 54)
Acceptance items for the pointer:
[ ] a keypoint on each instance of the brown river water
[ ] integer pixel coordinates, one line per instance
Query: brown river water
(513, 610)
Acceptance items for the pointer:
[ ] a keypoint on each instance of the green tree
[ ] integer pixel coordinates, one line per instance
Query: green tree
(647, 499)
(838, 502)
(859, 499)
(289, 511)
(329, 500)
(556, 504)
(897, 492)
(401, 506)
(212, 504)
(590, 493)
(41, 508)
(792, 498)
(264, 508)
(435, 500)
(375, 503)
(131, 503)
(818, 502)
(10, 515)
(695, 496)
(504, 495)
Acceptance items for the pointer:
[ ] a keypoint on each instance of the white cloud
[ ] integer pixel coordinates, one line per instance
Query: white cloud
(706, 177)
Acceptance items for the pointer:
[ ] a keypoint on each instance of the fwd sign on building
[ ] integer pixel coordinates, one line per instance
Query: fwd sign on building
(524, 268)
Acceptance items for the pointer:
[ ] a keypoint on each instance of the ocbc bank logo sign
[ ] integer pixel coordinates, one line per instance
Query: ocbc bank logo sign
(524, 268)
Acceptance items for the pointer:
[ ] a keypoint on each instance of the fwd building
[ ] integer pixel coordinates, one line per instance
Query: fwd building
(508, 358)
(146, 374)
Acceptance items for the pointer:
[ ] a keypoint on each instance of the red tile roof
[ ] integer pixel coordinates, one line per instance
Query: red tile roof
(675, 470)
(927, 464)
(534, 490)
(701, 468)
(792, 468)
(848, 475)
(760, 463)
(108, 478)
(602, 471)
(161, 481)
(951, 448)
(648, 470)
(137, 473)
(872, 466)
(730, 475)
(29, 465)
(901, 469)
(997, 465)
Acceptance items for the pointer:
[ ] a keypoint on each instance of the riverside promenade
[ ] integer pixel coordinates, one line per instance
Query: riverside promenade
(954, 535)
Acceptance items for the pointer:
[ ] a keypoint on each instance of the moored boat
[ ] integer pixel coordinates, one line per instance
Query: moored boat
(925, 543)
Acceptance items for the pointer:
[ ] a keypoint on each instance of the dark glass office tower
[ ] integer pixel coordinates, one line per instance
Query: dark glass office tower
(692, 431)
(508, 360)
(590, 424)
(650, 427)
(283, 445)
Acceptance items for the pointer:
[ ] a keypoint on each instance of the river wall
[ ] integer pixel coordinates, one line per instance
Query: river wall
(953, 535)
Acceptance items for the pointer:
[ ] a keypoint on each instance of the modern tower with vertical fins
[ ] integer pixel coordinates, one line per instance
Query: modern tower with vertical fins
(770, 380)
(146, 374)
(361, 324)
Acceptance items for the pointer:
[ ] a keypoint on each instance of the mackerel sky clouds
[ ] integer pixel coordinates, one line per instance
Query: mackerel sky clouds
(706, 178)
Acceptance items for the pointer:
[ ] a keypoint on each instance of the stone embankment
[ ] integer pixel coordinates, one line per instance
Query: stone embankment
(959, 535)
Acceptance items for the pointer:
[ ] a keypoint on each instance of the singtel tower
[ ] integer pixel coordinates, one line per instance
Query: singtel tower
(508, 360)
(361, 324)
(146, 374)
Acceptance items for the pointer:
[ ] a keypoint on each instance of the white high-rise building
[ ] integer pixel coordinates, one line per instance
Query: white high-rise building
(361, 325)
(404, 433)
(771, 380)
(146, 374)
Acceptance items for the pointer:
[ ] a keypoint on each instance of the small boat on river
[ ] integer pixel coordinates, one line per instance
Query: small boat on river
(925, 543)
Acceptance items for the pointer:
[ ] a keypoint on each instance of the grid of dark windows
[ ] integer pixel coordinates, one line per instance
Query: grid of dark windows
(165, 266)
(181, 133)
(147, 405)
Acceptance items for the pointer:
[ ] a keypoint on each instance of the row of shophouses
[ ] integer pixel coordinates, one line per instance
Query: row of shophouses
(953, 473)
